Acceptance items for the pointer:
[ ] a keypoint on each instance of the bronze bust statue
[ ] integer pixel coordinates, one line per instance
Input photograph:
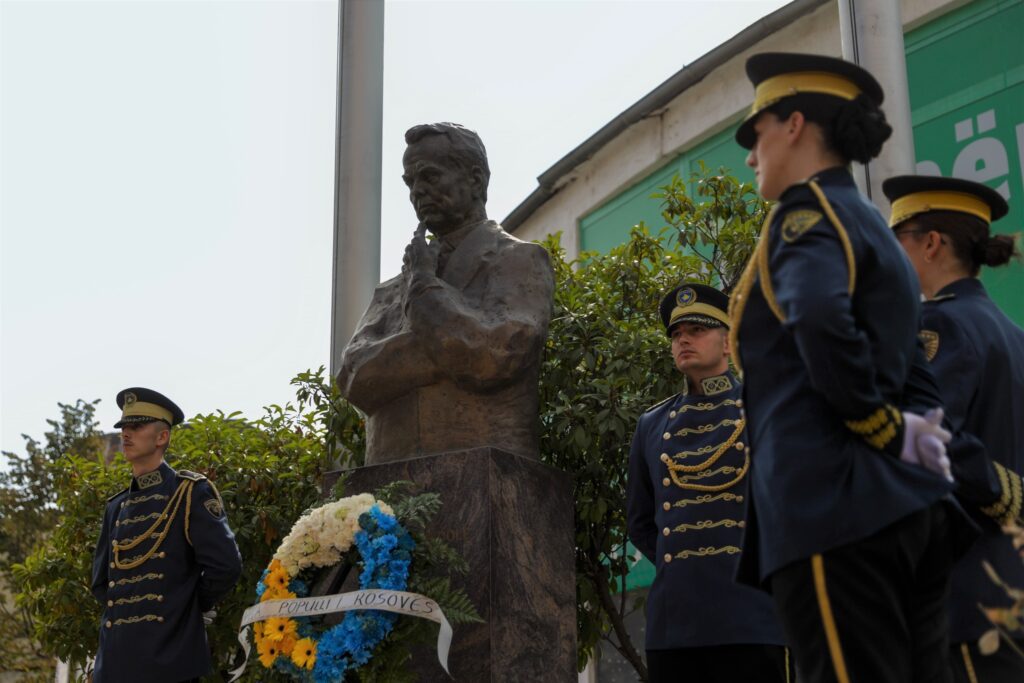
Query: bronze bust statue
(447, 355)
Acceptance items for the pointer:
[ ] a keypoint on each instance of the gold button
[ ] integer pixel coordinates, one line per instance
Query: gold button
(666, 531)
(110, 603)
(739, 445)
(111, 565)
(739, 403)
(109, 624)
(159, 598)
(160, 619)
(117, 523)
(668, 557)
(111, 584)
(666, 436)
(159, 576)
(664, 457)
(113, 543)
(672, 414)
(666, 506)
(666, 481)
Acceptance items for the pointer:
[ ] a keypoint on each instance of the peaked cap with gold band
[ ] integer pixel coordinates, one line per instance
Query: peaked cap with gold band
(138, 404)
(694, 302)
(778, 75)
(915, 194)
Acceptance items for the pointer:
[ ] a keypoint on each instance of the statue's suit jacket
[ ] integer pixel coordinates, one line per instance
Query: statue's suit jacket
(449, 362)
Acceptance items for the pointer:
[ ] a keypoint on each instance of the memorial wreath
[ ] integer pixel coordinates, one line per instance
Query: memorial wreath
(391, 556)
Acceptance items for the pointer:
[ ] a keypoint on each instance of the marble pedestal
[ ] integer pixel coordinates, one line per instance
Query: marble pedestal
(511, 518)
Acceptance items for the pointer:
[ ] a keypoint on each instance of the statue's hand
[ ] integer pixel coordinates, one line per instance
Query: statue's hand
(420, 258)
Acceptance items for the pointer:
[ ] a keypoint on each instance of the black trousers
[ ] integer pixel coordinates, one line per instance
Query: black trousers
(721, 664)
(873, 611)
(1006, 665)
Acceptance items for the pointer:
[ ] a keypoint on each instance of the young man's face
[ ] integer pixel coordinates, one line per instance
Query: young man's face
(699, 350)
(141, 440)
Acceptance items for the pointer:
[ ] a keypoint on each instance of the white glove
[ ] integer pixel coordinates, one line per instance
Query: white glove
(924, 442)
(208, 617)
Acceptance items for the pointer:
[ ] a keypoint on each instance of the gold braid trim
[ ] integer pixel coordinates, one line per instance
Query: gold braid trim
(143, 499)
(870, 424)
(136, 579)
(708, 498)
(706, 406)
(136, 620)
(851, 262)
(766, 281)
(704, 429)
(726, 445)
(139, 598)
(707, 474)
(710, 524)
(740, 473)
(184, 489)
(188, 512)
(703, 450)
(140, 518)
(707, 551)
(1007, 509)
(740, 295)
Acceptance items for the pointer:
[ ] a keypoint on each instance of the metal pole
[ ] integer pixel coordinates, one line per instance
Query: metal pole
(872, 36)
(357, 174)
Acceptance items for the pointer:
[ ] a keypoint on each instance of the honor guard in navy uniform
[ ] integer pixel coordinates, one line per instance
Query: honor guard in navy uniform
(850, 522)
(686, 490)
(977, 356)
(164, 558)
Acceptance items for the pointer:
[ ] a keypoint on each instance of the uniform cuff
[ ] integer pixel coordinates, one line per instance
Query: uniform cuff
(882, 429)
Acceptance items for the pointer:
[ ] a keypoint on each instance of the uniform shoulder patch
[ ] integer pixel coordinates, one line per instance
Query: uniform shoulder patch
(930, 339)
(214, 507)
(191, 476)
(796, 223)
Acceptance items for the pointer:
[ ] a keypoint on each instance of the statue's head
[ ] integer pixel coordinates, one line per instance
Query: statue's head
(447, 174)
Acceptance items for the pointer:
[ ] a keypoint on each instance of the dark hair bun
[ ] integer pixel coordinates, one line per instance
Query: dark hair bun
(860, 129)
(998, 250)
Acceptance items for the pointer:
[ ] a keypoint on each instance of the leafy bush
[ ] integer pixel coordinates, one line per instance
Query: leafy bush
(607, 360)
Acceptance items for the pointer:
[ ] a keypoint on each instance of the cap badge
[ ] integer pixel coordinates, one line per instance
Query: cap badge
(686, 296)
(129, 398)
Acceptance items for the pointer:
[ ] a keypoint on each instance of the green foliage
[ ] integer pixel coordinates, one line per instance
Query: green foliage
(267, 471)
(28, 492)
(607, 360)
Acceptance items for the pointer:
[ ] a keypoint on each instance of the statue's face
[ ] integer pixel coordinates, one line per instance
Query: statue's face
(443, 195)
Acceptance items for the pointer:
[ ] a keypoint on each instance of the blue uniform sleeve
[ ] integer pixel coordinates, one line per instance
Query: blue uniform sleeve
(640, 498)
(214, 545)
(810, 277)
(983, 484)
(101, 560)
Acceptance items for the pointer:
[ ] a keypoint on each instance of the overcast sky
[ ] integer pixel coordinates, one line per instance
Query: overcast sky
(166, 170)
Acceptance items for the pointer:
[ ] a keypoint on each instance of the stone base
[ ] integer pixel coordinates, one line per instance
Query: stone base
(511, 518)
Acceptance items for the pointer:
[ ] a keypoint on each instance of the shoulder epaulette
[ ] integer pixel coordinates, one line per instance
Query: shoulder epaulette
(124, 490)
(191, 476)
(661, 403)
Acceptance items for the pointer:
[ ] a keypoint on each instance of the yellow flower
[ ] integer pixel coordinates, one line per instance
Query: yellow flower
(276, 594)
(304, 653)
(278, 629)
(286, 645)
(268, 650)
(277, 578)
